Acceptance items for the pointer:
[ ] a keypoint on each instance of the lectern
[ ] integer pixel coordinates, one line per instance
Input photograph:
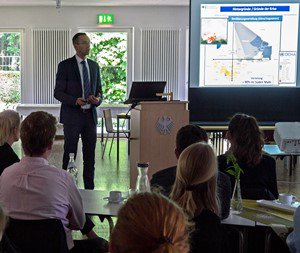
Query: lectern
(153, 134)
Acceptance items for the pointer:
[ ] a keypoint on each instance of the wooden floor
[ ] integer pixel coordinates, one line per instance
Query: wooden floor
(111, 175)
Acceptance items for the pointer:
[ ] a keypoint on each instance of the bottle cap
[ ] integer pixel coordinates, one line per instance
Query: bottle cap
(143, 164)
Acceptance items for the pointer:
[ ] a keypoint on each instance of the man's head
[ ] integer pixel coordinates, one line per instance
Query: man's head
(187, 136)
(81, 43)
(37, 133)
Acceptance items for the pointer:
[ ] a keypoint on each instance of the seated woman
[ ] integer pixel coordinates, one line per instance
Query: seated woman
(148, 223)
(9, 133)
(259, 178)
(195, 190)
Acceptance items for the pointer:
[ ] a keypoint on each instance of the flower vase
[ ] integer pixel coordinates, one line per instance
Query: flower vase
(236, 201)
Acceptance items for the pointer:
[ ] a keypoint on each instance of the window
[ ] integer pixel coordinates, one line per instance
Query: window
(110, 48)
(10, 68)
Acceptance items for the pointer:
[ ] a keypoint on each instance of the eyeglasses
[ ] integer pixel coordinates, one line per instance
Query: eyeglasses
(83, 43)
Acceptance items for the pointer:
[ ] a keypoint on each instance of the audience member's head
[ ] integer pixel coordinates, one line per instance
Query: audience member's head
(196, 180)
(189, 135)
(3, 222)
(246, 139)
(9, 127)
(37, 133)
(148, 223)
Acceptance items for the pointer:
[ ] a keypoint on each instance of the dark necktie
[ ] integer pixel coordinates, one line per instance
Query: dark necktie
(86, 81)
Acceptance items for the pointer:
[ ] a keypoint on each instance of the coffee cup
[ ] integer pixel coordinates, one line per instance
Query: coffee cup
(286, 199)
(115, 196)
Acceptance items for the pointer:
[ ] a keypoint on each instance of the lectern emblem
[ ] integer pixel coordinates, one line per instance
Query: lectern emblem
(164, 125)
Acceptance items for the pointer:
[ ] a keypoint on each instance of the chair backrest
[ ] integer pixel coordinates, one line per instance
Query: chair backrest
(35, 236)
(108, 120)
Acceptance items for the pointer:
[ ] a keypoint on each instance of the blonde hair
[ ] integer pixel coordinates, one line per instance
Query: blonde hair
(196, 180)
(149, 222)
(9, 120)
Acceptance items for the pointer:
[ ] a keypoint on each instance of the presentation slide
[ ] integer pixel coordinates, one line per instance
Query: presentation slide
(243, 45)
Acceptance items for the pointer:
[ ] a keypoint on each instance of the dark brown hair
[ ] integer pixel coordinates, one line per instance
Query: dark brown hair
(246, 139)
(149, 222)
(37, 132)
(189, 135)
(76, 36)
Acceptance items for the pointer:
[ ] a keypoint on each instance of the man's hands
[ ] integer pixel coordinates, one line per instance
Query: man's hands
(93, 100)
(90, 100)
(80, 101)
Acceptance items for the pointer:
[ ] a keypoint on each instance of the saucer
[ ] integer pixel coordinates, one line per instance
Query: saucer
(278, 202)
(113, 201)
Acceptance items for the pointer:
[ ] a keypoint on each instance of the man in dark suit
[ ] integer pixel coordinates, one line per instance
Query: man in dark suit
(165, 179)
(78, 87)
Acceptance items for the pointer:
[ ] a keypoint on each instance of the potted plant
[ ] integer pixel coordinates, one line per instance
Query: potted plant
(235, 170)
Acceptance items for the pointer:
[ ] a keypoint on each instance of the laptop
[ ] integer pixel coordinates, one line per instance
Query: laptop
(145, 91)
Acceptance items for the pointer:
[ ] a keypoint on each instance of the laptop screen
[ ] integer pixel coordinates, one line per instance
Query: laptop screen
(145, 91)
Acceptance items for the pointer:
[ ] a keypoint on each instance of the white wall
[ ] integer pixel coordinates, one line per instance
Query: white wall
(77, 18)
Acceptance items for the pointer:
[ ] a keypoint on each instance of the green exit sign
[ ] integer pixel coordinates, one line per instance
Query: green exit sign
(106, 19)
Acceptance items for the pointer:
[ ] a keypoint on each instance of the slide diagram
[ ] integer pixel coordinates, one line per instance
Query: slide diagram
(252, 44)
(248, 50)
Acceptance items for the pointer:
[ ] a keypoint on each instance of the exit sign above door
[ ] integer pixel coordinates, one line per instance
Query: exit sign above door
(106, 19)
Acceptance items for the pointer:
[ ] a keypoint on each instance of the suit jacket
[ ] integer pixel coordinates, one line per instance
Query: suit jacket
(164, 180)
(68, 88)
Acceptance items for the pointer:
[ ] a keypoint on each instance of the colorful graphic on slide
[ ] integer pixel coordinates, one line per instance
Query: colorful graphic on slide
(260, 49)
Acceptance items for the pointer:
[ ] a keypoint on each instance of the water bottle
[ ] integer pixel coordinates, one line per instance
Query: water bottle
(72, 168)
(142, 182)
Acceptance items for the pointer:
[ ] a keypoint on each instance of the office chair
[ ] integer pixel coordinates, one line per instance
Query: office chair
(35, 236)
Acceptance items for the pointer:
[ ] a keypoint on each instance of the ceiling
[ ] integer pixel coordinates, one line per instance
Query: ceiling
(95, 2)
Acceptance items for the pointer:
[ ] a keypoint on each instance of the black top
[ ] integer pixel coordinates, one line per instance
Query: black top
(7, 157)
(257, 182)
(164, 180)
(209, 234)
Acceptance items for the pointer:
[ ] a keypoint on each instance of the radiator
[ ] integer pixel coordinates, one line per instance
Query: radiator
(160, 56)
(50, 46)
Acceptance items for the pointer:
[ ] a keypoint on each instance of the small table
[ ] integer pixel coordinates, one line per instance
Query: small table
(94, 204)
(273, 150)
(121, 116)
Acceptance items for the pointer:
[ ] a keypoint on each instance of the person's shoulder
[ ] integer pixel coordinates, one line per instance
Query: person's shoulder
(267, 159)
(92, 63)
(222, 158)
(165, 172)
(222, 177)
(10, 171)
(222, 162)
(67, 61)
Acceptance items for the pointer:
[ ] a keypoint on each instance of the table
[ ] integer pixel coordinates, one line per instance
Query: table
(127, 117)
(94, 204)
(273, 150)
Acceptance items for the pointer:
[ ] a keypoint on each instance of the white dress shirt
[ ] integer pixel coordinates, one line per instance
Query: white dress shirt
(79, 60)
(33, 189)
